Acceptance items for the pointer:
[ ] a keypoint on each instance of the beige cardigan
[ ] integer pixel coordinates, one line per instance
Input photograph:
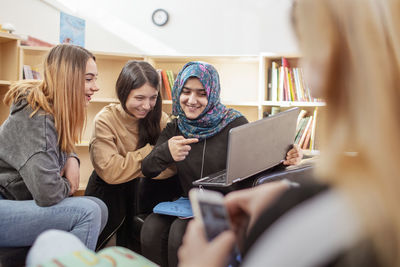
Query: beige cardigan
(113, 146)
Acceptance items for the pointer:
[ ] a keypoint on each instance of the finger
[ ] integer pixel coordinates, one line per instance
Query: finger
(189, 141)
(292, 156)
(186, 148)
(184, 153)
(177, 137)
(194, 228)
(223, 243)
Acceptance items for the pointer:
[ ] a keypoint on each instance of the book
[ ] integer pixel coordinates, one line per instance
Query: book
(27, 72)
(36, 74)
(307, 139)
(281, 84)
(166, 84)
(300, 129)
(32, 41)
(180, 207)
(275, 110)
(304, 134)
(314, 124)
(274, 82)
(161, 88)
(171, 79)
(302, 114)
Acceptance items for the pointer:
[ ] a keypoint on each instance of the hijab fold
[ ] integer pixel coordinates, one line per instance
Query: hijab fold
(215, 116)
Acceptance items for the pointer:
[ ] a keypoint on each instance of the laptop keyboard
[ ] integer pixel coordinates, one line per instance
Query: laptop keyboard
(216, 179)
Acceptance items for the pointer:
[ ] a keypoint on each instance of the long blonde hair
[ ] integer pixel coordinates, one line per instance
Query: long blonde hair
(61, 93)
(357, 45)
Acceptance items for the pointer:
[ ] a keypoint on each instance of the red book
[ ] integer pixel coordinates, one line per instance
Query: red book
(166, 84)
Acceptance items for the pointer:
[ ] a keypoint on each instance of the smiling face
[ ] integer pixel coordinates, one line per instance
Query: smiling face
(90, 80)
(141, 101)
(193, 98)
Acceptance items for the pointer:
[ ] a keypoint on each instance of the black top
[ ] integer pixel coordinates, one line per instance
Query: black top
(189, 169)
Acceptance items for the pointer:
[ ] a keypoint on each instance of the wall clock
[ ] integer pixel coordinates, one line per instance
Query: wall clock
(160, 17)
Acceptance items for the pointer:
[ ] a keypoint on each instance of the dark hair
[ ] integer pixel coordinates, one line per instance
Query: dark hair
(134, 75)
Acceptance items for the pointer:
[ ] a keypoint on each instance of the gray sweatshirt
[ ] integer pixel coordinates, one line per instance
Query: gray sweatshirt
(30, 158)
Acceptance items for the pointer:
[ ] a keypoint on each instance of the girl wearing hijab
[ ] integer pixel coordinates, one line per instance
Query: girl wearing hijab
(196, 142)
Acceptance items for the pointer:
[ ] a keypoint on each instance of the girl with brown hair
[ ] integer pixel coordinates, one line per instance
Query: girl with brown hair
(38, 166)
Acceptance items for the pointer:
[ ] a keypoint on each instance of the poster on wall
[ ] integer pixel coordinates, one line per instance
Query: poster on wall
(72, 30)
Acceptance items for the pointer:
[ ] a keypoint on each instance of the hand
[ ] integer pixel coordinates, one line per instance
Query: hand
(294, 156)
(71, 172)
(179, 147)
(212, 254)
(245, 206)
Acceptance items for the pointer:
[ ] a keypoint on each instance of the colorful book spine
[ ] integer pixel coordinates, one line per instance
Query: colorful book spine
(274, 82)
(304, 134)
(166, 84)
(171, 79)
(312, 138)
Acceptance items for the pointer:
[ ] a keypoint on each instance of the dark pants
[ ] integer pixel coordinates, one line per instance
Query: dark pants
(120, 201)
(161, 237)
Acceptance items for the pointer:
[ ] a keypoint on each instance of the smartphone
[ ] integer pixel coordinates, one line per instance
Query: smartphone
(208, 207)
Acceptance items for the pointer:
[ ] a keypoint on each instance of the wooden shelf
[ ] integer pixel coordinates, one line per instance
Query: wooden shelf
(104, 100)
(6, 37)
(5, 83)
(84, 143)
(293, 104)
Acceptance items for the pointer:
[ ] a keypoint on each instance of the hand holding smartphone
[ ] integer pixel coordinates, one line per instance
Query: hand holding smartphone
(208, 207)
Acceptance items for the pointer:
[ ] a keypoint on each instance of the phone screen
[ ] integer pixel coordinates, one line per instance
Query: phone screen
(216, 220)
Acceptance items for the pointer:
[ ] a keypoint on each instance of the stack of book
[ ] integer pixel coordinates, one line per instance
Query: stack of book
(305, 130)
(287, 83)
(167, 79)
(31, 73)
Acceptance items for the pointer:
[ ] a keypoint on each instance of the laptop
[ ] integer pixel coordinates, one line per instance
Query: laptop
(255, 147)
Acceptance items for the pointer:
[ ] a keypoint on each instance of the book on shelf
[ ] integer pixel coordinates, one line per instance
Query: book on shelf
(300, 129)
(274, 82)
(314, 124)
(286, 83)
(27, 40)
(164, 85)
(27, 72)
(36, 74)
(306, 130)
(171, 79)
(275, 110)
(31, 73)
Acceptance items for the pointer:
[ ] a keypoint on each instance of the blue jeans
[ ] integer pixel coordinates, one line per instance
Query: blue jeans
(21, 221)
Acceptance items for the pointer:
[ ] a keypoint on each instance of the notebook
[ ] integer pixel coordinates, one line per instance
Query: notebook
(255, 147)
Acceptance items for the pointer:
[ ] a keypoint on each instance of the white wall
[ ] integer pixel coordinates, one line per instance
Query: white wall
(194, 27)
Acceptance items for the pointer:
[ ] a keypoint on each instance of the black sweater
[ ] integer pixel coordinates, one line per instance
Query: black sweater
(189, 169)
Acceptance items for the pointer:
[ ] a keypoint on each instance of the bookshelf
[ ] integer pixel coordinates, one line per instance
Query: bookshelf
(8, 67)
(244, 83)
(271, 100)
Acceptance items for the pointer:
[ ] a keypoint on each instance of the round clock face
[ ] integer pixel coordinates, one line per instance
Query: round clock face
(160, 17)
